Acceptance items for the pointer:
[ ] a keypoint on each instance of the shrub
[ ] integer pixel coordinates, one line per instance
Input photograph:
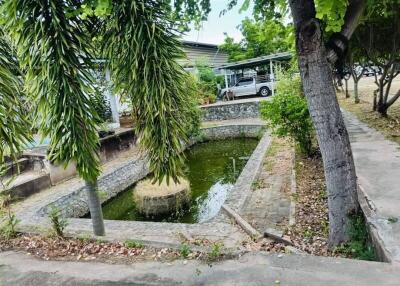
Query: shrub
(58, 222)
(206, 82)
(98, 100)
(8, 220)
(287, 113)
(131, 243)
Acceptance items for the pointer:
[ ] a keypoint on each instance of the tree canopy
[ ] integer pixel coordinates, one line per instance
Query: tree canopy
(260, 38)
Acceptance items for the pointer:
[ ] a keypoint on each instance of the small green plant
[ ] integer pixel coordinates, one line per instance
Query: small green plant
(308, 234)
(287, 113)
(257, 184)
(358, 246)
(8, 220)
(85, 238)
(58, 222)
(185, 250)
(131, 243)
(215, 251)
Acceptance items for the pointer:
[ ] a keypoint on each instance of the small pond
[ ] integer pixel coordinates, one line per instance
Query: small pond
(212, 169)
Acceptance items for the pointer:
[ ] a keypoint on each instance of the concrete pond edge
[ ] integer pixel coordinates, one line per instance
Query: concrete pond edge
(35, 220)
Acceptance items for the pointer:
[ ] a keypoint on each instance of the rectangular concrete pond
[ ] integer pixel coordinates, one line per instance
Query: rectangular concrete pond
(212, 170)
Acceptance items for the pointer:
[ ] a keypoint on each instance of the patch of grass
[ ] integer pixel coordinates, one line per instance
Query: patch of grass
(215, 251)
(274, 147)
(85, 238)
(389, 126)
(257, 184)
(131, 243)
(359, 246)
(185, 250)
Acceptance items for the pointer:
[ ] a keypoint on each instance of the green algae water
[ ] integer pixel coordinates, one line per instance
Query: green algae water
(212, 169)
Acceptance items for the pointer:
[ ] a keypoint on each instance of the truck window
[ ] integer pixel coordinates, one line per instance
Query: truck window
(244, 82)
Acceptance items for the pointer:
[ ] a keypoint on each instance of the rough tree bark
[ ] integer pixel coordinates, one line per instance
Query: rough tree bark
(316, 74)
(346, 85)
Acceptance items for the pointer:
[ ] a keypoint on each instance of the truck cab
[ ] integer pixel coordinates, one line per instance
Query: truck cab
(250, 86)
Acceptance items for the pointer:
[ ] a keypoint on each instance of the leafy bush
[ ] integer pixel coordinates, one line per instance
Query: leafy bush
(99, 102)
(8, 220)
(206, 82)
(58, 222)
(287, 113)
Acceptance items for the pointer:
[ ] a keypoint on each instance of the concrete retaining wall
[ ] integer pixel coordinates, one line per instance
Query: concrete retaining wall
(231, 110)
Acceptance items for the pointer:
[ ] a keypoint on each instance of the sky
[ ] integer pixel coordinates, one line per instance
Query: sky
(213, 29)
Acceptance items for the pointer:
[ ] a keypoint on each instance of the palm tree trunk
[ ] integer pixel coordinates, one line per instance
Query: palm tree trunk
(96, 212)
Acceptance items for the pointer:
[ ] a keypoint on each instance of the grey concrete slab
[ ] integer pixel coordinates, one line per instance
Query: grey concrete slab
(377, 162)
(250, 269)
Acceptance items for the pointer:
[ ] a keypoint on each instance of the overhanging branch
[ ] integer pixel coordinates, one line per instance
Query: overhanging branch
(351, 18)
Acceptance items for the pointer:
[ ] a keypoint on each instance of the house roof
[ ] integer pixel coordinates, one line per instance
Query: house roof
(284, 56)
(198, 44)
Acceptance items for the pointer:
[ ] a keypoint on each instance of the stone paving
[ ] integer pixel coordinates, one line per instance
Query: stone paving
(269, 204)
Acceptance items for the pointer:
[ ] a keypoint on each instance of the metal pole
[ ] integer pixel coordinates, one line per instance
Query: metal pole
(226, 79)
(271, 70)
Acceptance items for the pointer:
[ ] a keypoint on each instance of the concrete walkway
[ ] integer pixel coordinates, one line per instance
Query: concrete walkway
(250, 269)
(377, 163)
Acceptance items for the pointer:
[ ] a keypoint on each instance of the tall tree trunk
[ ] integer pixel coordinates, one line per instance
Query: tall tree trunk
(346, 83)
(341, 180)
(375, 103)
(96, 212)
(356, 98)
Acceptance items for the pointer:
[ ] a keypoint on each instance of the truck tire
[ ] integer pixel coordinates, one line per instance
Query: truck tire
(264, 91)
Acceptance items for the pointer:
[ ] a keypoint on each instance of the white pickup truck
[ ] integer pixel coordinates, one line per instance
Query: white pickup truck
(249, 86)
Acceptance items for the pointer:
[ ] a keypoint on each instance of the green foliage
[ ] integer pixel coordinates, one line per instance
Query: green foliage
(287, 113)
(185, 250)
(215, 252)
(260, 38)
(102, 106)
(8, 220)
(98, 100)
(358, 246)
(58, 222)
(131, 243)
(146, 71)
(14, 124)
(206, 82)
(54, 49)
(332, 13)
